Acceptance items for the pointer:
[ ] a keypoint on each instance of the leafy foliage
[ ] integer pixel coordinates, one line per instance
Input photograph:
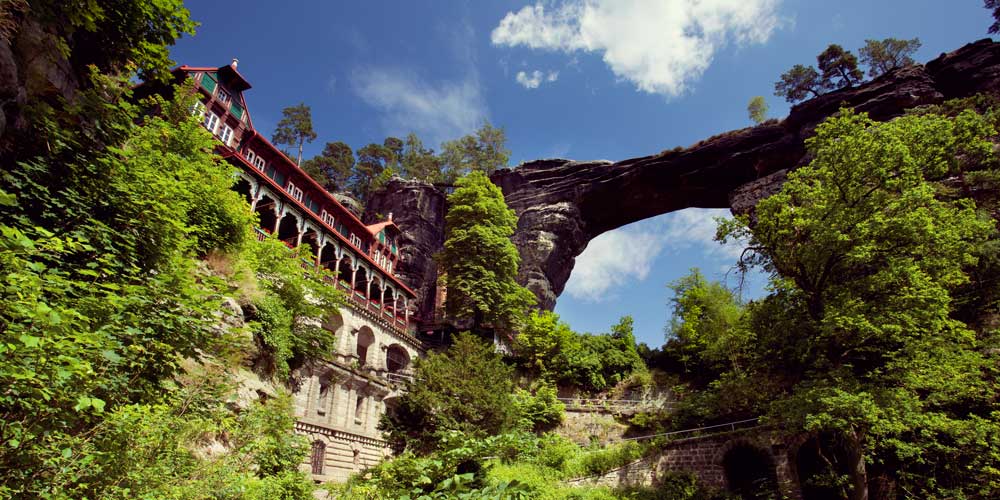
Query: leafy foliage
(757, 109)
(103, 297)
(479, 260)
(798, 83)
(995, 5)
(707, 329)
(295, 128)
(110, 34)
(883, 56)
(332, 168)
(549, 347)
(288, 312)
(859, 326)
(838, 64)
(483, 152)
(466, 388)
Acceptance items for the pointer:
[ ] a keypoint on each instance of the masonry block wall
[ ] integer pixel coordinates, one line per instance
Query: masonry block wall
(340, 400)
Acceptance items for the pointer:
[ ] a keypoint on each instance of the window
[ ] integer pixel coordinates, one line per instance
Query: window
(224, 96)
(226, 134)
(294, 191)
(236, 110)
(355, 240)
(328, 219)
(208, 82)
(259, 163)
(324, 397)
(311, 204)
(274, 174)
(318, 455)
(359, 410)
(211, 122)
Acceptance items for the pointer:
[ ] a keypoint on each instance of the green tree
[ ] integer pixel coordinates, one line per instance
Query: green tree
(757, 109)
(838, 64)
(868, 255)
(333, 167)
(295, 128)
(485, 151)
(706, 326)
(419, 162)
(373, 160)
(467, 388)
(883, 56)
(798, 83)
(479, 260)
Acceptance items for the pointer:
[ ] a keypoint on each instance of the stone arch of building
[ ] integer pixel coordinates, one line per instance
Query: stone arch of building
(749, 468)
(363, 346)
(397, 358)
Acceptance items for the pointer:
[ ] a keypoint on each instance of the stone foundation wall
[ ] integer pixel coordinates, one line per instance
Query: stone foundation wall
(344, 453)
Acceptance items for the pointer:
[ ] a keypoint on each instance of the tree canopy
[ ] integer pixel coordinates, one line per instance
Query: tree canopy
(479, 260)
(995, 5)
(883, 56)
(799, 83)
(838, 67)
(333, 167)
(859, 327)
(757, 108)
(467, 388)
(295, 128)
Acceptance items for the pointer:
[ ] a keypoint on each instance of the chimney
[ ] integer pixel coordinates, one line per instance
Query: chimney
(390, 217)
(234, 63)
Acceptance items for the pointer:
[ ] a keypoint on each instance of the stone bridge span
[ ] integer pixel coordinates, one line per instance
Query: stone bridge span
(563, 204)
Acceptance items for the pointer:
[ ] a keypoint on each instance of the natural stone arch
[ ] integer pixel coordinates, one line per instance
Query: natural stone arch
(563, 204)
(365, 339)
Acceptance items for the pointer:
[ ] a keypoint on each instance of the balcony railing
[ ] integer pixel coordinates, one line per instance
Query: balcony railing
(357, 298)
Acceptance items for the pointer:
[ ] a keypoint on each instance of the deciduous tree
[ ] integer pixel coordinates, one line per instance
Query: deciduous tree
(467, 388)
(485, 151)
(757, 109)
(479, 260)
(865, 342)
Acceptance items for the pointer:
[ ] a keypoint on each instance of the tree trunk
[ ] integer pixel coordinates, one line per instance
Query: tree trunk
(856, 466)
(298, 162)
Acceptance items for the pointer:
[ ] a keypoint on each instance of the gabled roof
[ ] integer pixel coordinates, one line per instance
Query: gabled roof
(378, 226)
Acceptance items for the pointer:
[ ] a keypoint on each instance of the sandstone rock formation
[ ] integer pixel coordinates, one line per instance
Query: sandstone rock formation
(563, 204)
(418, 209)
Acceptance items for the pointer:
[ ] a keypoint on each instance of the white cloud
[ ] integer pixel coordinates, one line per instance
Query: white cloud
(695, 228)
(662, 46)
(627, 254)
(611, 260)
(535, 78)
(436, 111)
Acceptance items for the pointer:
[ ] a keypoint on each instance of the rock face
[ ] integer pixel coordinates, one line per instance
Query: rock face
(418, 209)
(563, 204)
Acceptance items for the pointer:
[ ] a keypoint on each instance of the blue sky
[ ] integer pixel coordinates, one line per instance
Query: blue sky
(581, 79)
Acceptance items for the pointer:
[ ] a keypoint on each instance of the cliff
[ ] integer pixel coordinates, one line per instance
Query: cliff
(563, 204)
